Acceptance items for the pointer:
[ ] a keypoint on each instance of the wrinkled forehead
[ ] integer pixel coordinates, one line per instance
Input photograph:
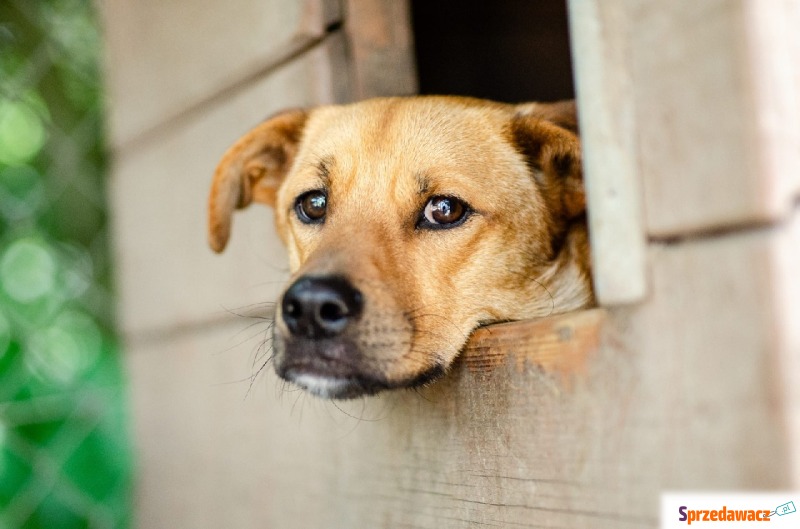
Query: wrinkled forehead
(414, 140)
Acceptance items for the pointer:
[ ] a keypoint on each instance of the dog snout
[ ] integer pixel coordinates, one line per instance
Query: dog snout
(321, 307)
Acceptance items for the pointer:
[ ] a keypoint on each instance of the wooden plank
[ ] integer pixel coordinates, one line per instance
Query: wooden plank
(559, 345)
(793, 21)
(319, 16)
(600, 40)
(193, 48)
(708, 353)
(773, 54)
(787, 288)
(704, 155)
(382, 48)
(213, 453)
(456, 453)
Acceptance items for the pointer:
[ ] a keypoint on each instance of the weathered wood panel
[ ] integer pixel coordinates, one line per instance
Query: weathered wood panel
(792, 14)
(167, 275)
(381, 47)
(786, 281)
(441, 457)
(709, 111)
(209, 455)
(773, 53)
(579, 420)
(709, 364)
(600, 39)
(165, 58)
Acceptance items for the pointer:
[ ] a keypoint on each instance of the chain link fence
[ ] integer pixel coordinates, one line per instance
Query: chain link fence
(64, 454)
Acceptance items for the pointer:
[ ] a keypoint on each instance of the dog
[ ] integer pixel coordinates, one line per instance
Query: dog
(410, 222)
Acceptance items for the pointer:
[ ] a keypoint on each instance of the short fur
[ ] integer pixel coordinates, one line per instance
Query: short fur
(524, 253)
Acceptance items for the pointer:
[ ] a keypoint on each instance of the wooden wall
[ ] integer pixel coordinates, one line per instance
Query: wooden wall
(685, 379)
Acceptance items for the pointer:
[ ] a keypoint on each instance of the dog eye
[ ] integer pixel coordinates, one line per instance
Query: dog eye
(311, 207)
(443, 212)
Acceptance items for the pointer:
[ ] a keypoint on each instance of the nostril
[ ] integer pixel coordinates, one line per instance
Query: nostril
(332, 312)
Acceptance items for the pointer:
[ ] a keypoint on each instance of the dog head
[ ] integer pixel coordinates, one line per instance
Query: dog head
(409, 222)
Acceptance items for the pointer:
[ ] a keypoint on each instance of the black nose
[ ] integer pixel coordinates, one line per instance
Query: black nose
(320, 307)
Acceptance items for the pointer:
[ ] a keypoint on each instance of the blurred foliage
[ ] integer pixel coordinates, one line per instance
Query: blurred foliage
(64, 453)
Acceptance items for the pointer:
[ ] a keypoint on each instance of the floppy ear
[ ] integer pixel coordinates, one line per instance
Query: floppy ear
(547, 135)
(252, 170)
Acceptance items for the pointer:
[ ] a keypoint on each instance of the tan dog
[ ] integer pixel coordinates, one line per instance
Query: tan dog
(410, 222)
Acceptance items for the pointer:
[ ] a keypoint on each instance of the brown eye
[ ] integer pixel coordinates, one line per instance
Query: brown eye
(311, 207)
(443, 212)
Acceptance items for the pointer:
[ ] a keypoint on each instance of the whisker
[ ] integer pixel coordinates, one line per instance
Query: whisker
(255, 375)
(240, 342)
(416, 390)
(300, 397)
(269, 305)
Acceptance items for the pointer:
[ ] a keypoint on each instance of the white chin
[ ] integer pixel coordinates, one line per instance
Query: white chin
(324, 387)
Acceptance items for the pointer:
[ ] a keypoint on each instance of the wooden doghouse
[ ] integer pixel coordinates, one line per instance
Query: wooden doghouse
(687, 377)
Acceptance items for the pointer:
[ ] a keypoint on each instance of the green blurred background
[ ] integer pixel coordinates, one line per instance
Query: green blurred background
(65, 459)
